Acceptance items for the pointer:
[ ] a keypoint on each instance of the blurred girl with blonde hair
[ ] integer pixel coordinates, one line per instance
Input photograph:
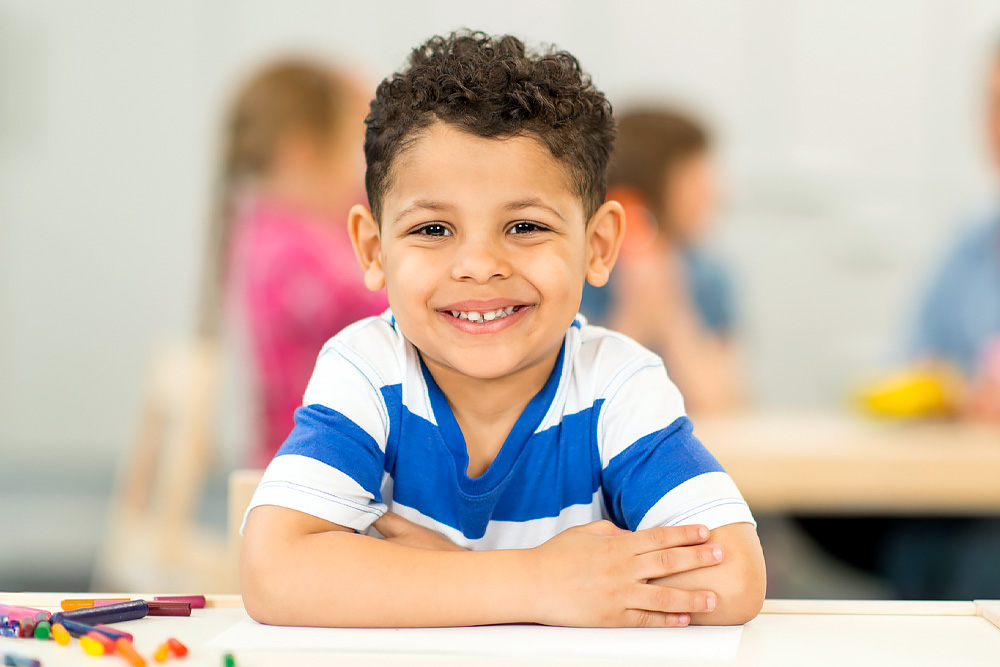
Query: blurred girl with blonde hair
(292, 166)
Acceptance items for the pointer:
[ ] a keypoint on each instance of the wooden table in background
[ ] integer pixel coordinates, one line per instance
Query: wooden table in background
(830, 463)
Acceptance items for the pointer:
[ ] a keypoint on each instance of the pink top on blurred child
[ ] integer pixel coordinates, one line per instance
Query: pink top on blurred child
(298, 283)
(290, 171)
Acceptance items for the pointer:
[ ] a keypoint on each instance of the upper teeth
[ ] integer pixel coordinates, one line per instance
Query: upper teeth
(488, 316)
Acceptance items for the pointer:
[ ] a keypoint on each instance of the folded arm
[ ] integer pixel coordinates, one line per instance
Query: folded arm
(300, 570)
(739, 580)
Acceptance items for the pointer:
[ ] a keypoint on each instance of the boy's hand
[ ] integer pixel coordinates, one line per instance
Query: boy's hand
(596, 576)
(405, 532)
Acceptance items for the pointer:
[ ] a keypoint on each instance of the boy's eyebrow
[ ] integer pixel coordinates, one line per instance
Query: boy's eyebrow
(531, 202)
(427, 204)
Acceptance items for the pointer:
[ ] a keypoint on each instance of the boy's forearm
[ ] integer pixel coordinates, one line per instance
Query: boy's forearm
(740, 580)
(337, 578)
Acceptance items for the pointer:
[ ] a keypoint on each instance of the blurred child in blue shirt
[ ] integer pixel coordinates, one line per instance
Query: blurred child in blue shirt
(668, 293)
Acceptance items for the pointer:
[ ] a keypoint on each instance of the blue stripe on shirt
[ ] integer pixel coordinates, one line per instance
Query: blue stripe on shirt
(332, 438)
(636, 478)
(565, 456)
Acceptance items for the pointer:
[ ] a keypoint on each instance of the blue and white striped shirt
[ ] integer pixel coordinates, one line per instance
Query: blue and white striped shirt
(606, 437)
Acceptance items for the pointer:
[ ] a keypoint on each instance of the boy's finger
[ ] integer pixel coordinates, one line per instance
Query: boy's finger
(642, 618)
(665, 537)
(665, 562)
(672, 600)
(391, 524)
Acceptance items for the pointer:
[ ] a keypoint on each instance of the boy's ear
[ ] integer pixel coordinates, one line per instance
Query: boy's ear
(367, 242)
(604, 239)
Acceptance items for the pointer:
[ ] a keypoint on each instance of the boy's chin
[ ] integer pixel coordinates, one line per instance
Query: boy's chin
(480, 366)
(484, 371)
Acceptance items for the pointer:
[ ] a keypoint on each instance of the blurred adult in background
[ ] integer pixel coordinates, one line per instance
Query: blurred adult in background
(667, 292)
(956, 345)
(959, 321)
(959, 326)
(291, 169)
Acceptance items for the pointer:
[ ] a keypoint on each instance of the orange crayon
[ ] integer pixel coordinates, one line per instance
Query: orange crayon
(177, 648)
(125, 647)
(80, 603)
(60, 634)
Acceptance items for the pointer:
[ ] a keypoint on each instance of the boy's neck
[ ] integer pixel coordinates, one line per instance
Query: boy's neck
(486, 409)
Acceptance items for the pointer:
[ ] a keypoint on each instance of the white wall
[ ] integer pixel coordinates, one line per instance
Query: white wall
(849, 133)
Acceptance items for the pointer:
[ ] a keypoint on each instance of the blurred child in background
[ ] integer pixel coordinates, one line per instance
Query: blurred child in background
(292, 166)
(667, 293)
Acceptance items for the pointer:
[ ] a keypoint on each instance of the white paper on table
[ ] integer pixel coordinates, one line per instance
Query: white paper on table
(535, 641)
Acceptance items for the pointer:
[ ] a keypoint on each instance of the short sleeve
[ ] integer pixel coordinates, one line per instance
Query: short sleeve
(655, 471)
(332, 463)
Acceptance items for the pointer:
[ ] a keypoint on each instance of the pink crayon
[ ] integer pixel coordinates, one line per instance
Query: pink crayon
(16, 613)
(196, 601)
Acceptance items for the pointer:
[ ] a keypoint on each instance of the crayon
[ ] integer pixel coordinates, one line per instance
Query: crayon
(79, 603)
(27, 627)
(16, 613)
(18, 660)
(197, 601)
(125, 647)
(92, 646)
(161, 608)
(161, 653)
(9, 628)
(112, 613)
(114, 633)
(78, 629)
(228, 660)
(177, 648)
(74, 628)
(61, 634)
(107, 642)
(43, 630)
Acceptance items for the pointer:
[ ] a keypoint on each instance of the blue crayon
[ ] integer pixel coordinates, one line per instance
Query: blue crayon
(78, 629)
(109, 613)
(18, 660)
(10, 629)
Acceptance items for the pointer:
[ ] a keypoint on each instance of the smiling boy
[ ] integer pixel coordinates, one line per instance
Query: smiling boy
(479, 454)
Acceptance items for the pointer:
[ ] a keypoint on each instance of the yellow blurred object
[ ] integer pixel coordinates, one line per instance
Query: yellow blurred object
(913, 393)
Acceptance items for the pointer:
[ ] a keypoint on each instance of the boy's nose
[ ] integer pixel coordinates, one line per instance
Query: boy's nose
(480, 261)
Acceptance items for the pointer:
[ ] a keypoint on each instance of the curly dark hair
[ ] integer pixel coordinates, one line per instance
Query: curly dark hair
(491, 86)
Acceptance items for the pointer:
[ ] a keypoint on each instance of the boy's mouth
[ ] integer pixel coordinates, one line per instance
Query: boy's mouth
(485, 317)
(476, 316)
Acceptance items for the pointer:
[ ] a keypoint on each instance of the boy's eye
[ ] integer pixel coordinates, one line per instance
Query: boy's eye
(525, 227)
(434, 229)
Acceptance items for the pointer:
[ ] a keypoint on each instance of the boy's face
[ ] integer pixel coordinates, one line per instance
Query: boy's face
(484, 249)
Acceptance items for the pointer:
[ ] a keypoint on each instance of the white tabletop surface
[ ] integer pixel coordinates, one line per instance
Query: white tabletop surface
(788, 632)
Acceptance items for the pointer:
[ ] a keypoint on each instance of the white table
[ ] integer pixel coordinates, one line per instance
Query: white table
(788, 632)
